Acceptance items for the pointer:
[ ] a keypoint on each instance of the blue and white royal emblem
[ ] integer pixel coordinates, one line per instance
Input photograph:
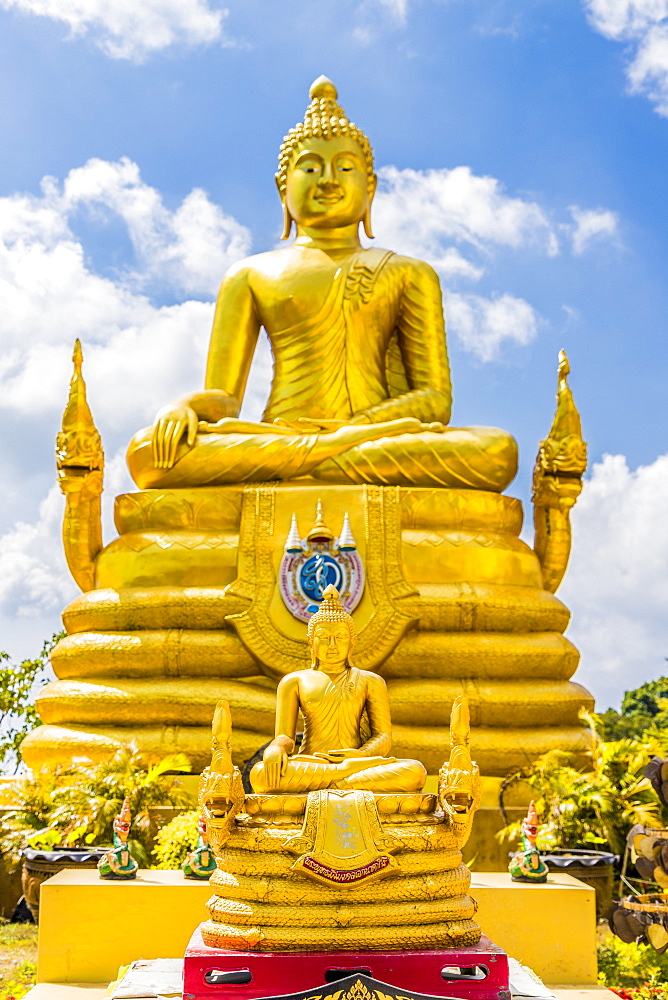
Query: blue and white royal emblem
(310, 564)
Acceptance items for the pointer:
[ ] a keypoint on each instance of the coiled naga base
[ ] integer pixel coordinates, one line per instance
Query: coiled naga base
(288, 880)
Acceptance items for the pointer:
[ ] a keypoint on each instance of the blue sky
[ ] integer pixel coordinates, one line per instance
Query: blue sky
(521, 149)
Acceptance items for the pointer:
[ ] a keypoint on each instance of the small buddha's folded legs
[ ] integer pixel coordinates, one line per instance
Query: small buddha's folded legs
(393, 776)
(310, 775)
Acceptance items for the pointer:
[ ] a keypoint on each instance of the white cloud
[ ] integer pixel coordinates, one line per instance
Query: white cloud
(138, 355)
(643, 25)
(484, 326)
(616, 585)
(51, 295)
(592, 224)
(458, 221)
(422, 208)
(188, 250)
(133, 29)
(371, 15)
(34, 578)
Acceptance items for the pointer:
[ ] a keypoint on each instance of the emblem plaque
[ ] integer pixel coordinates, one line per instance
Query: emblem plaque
(310, 564)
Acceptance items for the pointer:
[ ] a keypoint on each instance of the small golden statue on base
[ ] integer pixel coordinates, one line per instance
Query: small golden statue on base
(300, 859)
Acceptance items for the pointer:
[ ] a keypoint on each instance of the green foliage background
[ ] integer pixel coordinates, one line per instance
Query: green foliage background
(17, 711)
(176, 839)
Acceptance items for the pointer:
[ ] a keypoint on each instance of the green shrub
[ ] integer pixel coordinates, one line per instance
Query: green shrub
(75, 805)
(631, 965)
(176, 839)
(18, 716)
(597, 807)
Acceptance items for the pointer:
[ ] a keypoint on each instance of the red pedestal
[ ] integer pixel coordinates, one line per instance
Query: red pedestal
(476, 973)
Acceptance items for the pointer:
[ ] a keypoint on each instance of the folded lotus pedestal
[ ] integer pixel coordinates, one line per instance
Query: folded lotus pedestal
(315, 889)
(340, 881)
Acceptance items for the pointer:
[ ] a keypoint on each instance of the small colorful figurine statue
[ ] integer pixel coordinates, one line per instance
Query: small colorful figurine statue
(527, 865)
(119, 863)
(200, 863)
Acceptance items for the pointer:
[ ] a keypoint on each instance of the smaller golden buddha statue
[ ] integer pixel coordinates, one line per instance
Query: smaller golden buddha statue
(346, 712)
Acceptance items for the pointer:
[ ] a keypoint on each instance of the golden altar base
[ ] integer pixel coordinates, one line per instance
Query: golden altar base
(185, 610)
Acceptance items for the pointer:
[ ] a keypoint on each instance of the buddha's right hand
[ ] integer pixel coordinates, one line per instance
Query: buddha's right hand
(275, 761)
(169, 427)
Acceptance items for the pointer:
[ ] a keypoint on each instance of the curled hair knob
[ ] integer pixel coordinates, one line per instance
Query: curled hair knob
(323, 89)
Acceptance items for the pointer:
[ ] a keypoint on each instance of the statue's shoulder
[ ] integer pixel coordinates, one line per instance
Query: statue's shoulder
(290, 681)
(258, 265)
(411, 267)
(372, 680)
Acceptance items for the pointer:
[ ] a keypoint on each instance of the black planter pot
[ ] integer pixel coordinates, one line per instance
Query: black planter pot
(38, 866)
(596, 868)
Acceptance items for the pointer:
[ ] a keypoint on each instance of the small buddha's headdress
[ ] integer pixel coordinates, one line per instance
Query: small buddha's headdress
(331, 610)
(324, 119)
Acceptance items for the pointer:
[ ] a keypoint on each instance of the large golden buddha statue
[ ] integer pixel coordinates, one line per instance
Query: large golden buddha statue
(194, 601)
(334, 699)
(361, 386)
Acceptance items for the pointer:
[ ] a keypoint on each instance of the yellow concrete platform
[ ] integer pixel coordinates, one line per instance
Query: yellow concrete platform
(551, 927)
(89, 927)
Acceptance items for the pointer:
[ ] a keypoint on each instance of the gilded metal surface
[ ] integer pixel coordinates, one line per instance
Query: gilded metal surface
(185, 607)
(80, 465)
(295, 891)
(346, 841)
(345, 713)
(387, 590)
(220, 795)
(445, 934)
(275, 864)
(361, 384)
(341, 841)
(290, 807)
(557, 482)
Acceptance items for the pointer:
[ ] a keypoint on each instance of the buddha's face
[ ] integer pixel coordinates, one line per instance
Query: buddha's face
(330, 644)
(327, 184)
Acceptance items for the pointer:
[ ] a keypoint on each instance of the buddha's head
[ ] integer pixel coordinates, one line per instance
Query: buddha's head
(331, 633)
(325, 173)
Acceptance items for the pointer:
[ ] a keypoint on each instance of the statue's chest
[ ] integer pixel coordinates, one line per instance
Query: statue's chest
(323, 695)
(310, 291)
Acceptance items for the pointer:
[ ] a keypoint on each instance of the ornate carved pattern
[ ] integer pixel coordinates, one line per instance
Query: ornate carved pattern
(257, 580)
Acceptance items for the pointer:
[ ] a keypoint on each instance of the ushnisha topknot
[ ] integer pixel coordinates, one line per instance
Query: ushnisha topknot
(324, 119)
(331, 610)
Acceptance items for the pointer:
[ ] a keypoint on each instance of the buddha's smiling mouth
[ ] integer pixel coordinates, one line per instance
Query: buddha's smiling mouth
(329, 199)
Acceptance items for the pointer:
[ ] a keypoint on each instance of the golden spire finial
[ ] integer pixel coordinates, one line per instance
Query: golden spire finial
(78, 445)
(320, 532)
(323, 88)
(564, 367)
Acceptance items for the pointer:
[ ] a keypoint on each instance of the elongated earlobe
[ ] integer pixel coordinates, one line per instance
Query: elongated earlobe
(287, 223)
(367, 223)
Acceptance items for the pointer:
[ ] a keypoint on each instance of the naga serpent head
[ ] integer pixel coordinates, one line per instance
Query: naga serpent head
(221, 791)
(459, 787)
